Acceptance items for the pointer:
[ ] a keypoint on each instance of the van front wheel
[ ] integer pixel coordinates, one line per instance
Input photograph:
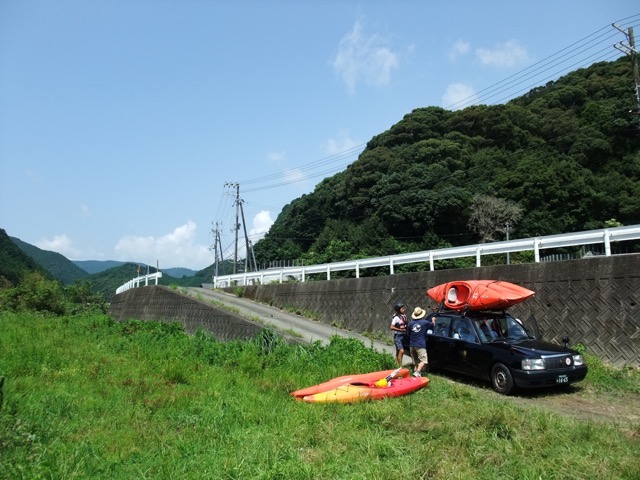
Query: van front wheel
(501, 379)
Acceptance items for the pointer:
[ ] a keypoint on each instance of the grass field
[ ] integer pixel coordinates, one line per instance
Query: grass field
(88, 398)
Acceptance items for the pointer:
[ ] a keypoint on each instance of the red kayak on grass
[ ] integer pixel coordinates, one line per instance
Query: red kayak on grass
(358, 392)
(479, 294)
(360, 378)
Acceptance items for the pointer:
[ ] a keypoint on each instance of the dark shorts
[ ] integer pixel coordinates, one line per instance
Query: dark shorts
(397, 339)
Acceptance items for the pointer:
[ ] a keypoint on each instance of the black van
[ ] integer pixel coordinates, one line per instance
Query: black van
(494, 346)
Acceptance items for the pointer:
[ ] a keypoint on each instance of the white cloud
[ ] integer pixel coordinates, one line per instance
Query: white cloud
(261, 224)
(364, 58)
(85, 211)
(458, 49)
(276, 157)
(459, 95)
(295, 175)
(61, 244)
(509, 54)
(175, 249)
(341, 144)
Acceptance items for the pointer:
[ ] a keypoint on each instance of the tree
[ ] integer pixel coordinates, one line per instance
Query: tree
(490, 216)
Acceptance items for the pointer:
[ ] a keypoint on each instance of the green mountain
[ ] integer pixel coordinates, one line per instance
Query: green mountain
(96, 266)
(562, 158)
(60, 267)
(14, 262)
(179, 272)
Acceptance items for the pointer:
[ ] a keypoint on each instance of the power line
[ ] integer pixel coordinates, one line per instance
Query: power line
(528, 74)
(331, 159)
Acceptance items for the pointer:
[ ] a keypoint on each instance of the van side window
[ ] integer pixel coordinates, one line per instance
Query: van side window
(486, 332)
(463, 330)
(442, 326)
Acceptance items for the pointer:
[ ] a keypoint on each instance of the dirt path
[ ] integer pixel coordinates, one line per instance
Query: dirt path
(576, 401)
(309, 330)
(585, 404)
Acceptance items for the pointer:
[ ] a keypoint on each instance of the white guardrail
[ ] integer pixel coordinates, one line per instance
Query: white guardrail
(605, 236)
(135, 282)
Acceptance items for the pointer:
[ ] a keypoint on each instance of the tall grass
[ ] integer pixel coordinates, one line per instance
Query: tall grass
(85, 397)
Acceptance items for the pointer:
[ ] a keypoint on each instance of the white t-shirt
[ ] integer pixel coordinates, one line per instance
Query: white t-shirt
(399, 321)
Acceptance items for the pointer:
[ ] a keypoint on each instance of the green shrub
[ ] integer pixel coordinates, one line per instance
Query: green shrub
(38, 294)
(34, 293)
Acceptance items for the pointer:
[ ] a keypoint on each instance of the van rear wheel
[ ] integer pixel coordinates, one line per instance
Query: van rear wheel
(501, 379)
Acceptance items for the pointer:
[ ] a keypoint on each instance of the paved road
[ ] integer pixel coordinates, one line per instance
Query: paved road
(311, 331)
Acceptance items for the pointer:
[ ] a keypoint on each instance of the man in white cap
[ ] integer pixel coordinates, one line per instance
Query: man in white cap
(417, 329)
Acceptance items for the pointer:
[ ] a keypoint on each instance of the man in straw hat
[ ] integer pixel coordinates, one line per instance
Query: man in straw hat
(417, 328)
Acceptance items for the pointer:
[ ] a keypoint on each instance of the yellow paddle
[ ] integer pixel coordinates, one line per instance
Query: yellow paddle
(386, 381)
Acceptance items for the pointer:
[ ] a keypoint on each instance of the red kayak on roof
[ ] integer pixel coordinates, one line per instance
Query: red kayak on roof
(479, 294)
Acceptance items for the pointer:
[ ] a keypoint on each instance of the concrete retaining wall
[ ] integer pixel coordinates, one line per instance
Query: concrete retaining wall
(593, 300)
(163, 304)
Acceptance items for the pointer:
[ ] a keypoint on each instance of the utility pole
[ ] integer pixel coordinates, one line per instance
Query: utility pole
(246, 242)
(216, 242)
(630, 49)
(237, 225)
(221, 252)
(253, 256)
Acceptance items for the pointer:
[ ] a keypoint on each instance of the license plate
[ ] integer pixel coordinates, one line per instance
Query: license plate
(562, 379)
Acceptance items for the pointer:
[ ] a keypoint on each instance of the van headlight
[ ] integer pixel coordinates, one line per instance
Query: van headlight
(533, 364)
(578, 360)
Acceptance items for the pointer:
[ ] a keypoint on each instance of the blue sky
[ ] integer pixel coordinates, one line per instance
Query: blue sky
(123, 122)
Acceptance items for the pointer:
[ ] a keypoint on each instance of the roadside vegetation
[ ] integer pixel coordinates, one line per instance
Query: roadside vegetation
(87, 397)
(36, 292)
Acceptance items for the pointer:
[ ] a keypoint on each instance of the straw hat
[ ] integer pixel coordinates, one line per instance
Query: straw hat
(418, 313)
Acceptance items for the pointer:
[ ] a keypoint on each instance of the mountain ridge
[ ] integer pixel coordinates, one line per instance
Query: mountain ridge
(18, 257)
(97, 266)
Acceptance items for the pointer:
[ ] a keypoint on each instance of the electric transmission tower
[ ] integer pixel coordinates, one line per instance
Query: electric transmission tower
(240, 212)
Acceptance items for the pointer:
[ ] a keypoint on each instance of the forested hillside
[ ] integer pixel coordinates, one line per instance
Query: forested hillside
(58, 265)
(14, 263)
(564, 157)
